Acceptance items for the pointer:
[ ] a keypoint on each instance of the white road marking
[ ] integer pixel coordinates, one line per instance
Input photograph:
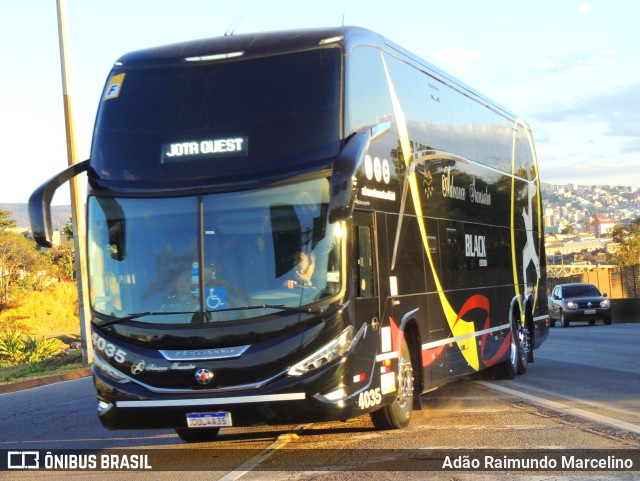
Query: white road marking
(595, 404)
(556, 406)
(262, 456)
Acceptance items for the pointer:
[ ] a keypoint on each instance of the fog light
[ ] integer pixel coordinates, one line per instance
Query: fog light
(336, 396)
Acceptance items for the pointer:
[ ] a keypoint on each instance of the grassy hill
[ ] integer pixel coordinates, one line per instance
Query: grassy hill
(44, 313)
(36, 334)
(60, 215)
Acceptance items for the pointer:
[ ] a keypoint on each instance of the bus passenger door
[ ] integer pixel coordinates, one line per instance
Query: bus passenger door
(365, 282)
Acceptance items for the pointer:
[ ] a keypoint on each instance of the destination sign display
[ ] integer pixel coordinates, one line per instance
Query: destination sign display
(202, 149)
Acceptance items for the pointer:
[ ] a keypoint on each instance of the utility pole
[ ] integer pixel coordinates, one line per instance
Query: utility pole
(77, 204)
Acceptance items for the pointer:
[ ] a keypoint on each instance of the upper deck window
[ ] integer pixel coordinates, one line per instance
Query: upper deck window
(258, 109)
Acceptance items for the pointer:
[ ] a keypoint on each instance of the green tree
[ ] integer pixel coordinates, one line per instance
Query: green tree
(68, 229)
(628, 240)
(63, 258)
(5, 221)
(21, 266)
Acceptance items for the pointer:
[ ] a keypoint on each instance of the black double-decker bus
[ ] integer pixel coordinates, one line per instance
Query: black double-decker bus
(301, 226)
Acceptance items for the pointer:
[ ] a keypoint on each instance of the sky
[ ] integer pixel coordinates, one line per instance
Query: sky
(570, 68)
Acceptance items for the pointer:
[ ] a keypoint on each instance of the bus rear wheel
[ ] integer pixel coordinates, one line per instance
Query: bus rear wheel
(398, 414)
(524, 348)
(199, 435)
(508, 369)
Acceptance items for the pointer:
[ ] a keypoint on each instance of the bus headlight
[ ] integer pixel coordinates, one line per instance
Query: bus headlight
(328, 353)
(109, 371)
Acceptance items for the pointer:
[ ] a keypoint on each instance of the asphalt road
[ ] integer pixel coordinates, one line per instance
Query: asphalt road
(581, 393)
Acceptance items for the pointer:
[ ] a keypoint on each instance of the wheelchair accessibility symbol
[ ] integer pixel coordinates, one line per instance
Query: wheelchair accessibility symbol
(216, 298)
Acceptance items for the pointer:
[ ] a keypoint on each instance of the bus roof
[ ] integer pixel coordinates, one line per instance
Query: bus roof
(250, 44)
(279, 42)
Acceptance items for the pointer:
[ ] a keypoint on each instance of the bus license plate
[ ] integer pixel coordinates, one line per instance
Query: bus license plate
(209, 420)
(589, 311)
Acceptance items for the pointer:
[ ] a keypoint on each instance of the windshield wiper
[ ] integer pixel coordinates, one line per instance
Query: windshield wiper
(282, 307)
(136, 315)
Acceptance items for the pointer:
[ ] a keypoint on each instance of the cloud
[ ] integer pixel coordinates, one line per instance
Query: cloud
(587, 167)
(577, 63)
(618, 109)
(630, 147)
(586, 8)
(546, 64)
(457, 61)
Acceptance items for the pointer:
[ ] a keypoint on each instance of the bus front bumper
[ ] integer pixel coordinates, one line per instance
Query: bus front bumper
(324, 396)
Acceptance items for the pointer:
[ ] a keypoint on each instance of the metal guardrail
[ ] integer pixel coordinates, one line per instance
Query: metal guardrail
(620, 282)
(566, 270)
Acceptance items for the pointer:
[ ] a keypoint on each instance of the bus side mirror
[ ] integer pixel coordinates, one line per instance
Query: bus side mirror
(40, 203)
(343, 177)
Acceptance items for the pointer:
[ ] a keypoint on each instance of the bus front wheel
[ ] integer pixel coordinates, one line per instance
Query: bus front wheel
(397, 414)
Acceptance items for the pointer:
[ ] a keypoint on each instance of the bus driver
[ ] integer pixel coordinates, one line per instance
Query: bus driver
(306, 266)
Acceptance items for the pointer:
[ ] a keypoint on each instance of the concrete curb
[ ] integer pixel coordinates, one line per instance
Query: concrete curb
(43, 381)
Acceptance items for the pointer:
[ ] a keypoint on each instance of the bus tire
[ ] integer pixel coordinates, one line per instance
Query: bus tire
(508, 369)
(525, 347)
(398, 414)
(200, 435)
(530, 333)
(523, 355)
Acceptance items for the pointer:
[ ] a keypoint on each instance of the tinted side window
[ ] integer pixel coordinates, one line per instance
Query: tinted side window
(368, 94)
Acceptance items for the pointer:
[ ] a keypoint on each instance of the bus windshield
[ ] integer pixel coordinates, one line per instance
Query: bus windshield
(148, 258)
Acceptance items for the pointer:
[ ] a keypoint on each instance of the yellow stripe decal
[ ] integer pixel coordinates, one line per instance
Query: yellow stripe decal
(463, 331)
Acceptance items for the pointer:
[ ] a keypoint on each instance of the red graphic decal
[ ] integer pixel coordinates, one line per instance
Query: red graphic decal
(503, 348)
(474, 302)
(396, 335)
(430, 355)
(482, 302)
